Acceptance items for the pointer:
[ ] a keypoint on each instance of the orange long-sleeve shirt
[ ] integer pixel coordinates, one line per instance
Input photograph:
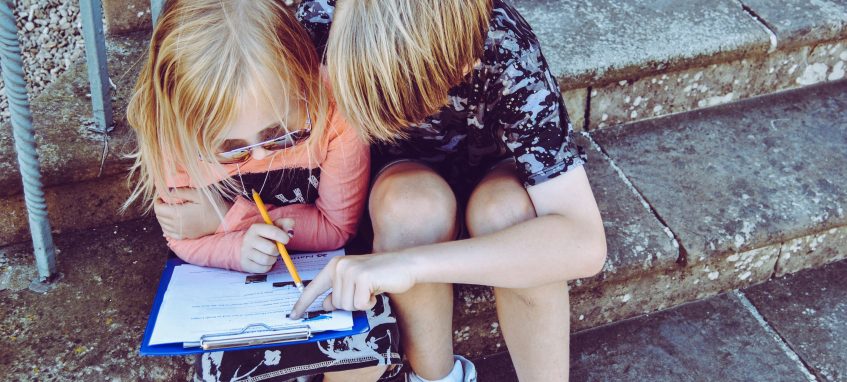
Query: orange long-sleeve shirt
(324, 193)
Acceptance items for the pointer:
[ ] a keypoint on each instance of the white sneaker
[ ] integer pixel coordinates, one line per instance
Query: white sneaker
(463, 371)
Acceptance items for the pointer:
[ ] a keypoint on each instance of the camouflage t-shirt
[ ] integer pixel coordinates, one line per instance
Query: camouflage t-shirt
(510, 105)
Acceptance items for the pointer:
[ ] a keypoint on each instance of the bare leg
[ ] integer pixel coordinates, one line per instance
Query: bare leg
(356, 375)
(411, 205)
(535, 321)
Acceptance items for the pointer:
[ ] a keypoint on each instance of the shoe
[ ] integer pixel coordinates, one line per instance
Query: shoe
(463, 371)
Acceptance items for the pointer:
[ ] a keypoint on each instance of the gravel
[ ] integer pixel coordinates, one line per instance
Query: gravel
(50, 34)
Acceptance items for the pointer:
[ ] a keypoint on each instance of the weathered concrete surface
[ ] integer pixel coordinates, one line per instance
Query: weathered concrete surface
(716, 84)
(125, 16)
(78, 196)
(640, 252)
(597, 42)
(734, 182)
(638, 246)
(89, 326)
(711, 340)
(576, 102)
(802, 22)
(694, 342)
(812, 251)
(809, 310)
(70, 206)
(68, 151)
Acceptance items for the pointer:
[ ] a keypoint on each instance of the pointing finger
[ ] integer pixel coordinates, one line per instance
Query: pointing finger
(321, 283)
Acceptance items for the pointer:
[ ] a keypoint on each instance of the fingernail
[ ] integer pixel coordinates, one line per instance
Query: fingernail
(291, 232)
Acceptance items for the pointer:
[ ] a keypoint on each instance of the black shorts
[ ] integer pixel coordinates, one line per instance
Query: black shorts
(379, 346)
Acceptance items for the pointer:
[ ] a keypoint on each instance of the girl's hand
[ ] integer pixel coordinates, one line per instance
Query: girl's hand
(195, 216)
(258, 250)
(355, 282)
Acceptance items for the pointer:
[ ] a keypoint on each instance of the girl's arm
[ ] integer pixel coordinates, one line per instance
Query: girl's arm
(328, 224)
(566, 241)
(343, 190)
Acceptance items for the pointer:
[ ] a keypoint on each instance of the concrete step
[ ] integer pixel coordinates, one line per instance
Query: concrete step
(700, 203)
(694, 205)
(616, 63)
(620, 62)
(761, 333)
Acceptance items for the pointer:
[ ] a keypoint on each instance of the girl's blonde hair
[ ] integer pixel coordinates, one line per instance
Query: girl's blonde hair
(392, 62)
(205, 58)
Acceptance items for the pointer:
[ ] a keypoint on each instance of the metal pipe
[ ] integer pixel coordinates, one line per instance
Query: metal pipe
(11, 64)
(155, 10)
(91, 12)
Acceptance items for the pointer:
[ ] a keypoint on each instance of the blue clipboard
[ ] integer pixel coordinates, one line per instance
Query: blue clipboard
(360, 325)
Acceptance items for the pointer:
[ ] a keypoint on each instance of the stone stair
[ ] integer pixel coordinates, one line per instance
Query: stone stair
(710, 175)
(703, 202)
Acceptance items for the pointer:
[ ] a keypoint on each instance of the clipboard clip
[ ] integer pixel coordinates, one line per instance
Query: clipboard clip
(255, 334)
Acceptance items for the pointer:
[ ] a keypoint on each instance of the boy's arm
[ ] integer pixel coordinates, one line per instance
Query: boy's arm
(566, 241)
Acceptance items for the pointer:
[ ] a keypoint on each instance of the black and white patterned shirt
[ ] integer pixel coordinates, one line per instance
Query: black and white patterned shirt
(509, 106)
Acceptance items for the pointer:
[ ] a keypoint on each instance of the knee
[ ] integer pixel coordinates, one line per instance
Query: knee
(495, 208)
(415, 207)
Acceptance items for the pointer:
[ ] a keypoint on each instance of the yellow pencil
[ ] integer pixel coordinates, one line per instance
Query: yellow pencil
(282, 252)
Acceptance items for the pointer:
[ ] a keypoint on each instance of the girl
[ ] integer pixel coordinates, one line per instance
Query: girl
(470, 123)
(230, 99)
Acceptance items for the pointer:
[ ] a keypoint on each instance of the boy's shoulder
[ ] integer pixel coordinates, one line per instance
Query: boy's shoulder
(509, 35)
(316, 18)
(316, 11)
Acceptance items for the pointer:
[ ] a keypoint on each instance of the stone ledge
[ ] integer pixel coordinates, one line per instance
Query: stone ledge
(599, 42)
(766, 207)
(641, 60)
(799, 22)
(70, 207)
(741, 176)
(669, 93)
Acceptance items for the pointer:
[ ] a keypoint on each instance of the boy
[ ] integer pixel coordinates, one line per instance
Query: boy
(471, 135)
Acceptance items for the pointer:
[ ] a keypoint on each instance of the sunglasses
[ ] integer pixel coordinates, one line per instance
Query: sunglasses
(243, 154)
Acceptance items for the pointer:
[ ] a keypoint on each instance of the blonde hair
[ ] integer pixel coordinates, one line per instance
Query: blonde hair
(205, 57)
(392, 62)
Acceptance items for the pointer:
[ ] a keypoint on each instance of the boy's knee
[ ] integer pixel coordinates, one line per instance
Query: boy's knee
(491, 211)
(412, 204)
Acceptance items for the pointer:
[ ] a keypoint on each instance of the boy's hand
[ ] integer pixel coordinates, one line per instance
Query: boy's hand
(258, 250)
(355, 282)
(193, 217)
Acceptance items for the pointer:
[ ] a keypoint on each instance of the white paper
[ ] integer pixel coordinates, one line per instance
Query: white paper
(203, 301)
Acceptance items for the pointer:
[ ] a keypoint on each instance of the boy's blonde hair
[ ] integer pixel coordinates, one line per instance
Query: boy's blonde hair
(205, 58)
(392, 62)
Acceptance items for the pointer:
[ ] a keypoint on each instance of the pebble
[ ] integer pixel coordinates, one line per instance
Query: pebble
(51, 41)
